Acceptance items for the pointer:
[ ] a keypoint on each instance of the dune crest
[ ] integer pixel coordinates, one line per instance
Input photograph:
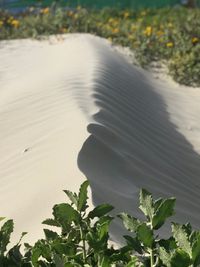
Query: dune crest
(78, 105)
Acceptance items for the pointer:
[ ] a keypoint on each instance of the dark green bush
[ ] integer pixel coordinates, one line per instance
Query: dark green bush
(82, 238)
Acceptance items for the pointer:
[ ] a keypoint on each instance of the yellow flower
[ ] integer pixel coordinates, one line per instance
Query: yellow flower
(10, 19)
(169, 44)
(131, 37)
(110, 20)
(15, 23)
(99, 24)
(115, 30)
(109, 39)
(160, 33)
(133, 27)
(1, 23)
(45, 10)
(78, 8)
(126, 15)
(170, 25)
(195, 40)
(148, 31)
(113, 21)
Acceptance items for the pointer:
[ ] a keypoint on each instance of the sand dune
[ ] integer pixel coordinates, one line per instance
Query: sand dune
(76, 107)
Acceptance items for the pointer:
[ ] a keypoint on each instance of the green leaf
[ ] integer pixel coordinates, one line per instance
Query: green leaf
(104, 261)
(165, 256)
(133, 262)
(181, 237)
(5, 234)
(196, 248)
(58, 261)
(69, 265)
(65, 214)
(145, 235)
(134, 243)
(146, 204)
(15, 255)
(180, 259)
(102, 226)
(36, 253)
(41, 248)
(163, 211)
(130, 223)
(157, 203)
(50, 235)
(82, 197)
(72, 196)
(51, 222)
(100, 211)
(168, 244)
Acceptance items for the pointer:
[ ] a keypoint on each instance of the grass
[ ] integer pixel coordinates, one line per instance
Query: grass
(169, 35)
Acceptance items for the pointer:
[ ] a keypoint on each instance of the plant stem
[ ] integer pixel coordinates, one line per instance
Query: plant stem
(84, 245)
(151, 258)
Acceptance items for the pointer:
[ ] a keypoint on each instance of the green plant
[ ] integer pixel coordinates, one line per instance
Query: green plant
(82, 238)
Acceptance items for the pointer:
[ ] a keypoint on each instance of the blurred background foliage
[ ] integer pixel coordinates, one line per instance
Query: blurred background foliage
(169, 36)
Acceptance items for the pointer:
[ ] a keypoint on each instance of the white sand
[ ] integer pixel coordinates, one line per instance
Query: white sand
(77, 99)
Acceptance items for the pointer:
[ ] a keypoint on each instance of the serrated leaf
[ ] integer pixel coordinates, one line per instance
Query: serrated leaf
(145, 235)
(134, 243)
(165, 256)
(50, 235)
(181, 237)
(72, 196)
(102, 226)
(130, 223)
(146, 204)
(100, 211)
(51, 222)
(196, 248)
(157, 203)
(168, 244)
(36, 253)
(41, 248)
(82, 197)
(180, 259)
(59, 261)
(65, 214)
(163, 211)
(5, 234)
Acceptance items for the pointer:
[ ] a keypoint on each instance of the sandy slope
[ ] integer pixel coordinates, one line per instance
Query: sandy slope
(78, 105)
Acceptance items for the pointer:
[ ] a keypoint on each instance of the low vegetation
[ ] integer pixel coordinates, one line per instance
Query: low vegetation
(170, 35)
(82, 236)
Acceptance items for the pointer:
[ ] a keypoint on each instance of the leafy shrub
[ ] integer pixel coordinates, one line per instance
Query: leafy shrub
(82, 238)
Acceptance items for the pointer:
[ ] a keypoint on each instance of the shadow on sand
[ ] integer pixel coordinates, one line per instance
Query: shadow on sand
(133, 144)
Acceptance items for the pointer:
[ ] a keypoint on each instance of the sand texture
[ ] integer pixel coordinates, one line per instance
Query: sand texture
(76, 108)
